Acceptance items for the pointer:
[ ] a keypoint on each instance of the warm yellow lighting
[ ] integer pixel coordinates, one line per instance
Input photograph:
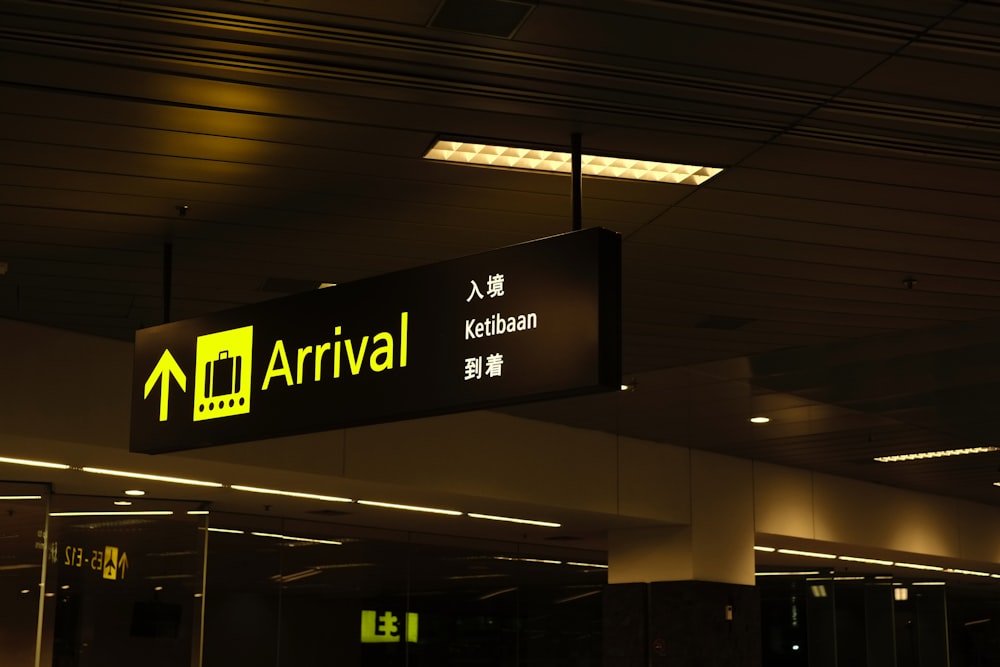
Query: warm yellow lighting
(928, 583)
(918, 566)
(37, 464)
(936, 455)
(530, 522)
(113, 513)
(767, 549)
(870, 561)
(152, 478)
(502, 591)
(20, 497)
(197, 512)
(293, 494)
(760, 420)
(231, 531)
(409, 508)
(900, 594)
(810, 554)
(134, 492)
(529, 560)
(123, 503)
(508, 157)
(597, 565)
(292, 538)
(972, 573)
(784, 574)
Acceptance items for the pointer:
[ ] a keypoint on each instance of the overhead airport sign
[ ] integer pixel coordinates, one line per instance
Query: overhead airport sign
(528, 322)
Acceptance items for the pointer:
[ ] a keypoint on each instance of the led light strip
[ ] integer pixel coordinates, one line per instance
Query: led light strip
(510, 157)
(112, 513)
(37, 464)
(531, 522)
(410, 508)
(151, 478)
(936, 455)
(293, 494)
(292, 538)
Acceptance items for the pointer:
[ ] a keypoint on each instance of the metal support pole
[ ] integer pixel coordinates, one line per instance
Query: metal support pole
(577, 177)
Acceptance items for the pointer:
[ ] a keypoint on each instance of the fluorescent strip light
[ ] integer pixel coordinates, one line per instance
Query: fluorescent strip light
(917, 566)
(972, 573)
(579, 596)
(785, 574)
(598, 565)
(494, 594)
(810, 554)
(197, 512)
(529, 560)
(231, 531)
(153, 478)
(870, 561)
(760, 420)
(936, 455)
(767, 549)
(529, 159)
(121, 513)
(928, 583)
(20, 497)
(530, 522)
(410, 508)
(297, 539)
(37, 464)
(293, 494)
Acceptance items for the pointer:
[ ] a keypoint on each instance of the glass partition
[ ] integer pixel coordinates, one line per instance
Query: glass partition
(22, 559)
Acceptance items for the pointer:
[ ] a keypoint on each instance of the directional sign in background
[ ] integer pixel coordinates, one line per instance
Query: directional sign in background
(532, 321)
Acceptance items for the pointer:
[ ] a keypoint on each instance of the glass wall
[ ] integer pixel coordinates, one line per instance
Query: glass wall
(22, 558)
(300, 593)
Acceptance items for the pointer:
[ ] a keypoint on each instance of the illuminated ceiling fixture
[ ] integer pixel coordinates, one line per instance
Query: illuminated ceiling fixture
(918, 566)
(134, 492)
(411, 508)
(936, 455)
(509, 157)
(292, 538)
(597, 565)
(869, 561)
(112, 513)
(20, 497)
(760, 420)
(784, 574)
(810, 554)
(530, 522)
(767, 549)
(293, 494)
(153, 478)
(37, 464)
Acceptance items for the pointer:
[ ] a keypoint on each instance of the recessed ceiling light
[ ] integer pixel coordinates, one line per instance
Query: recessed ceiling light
(510, 157)
(123, 503)
(936, 454)
(759, 420)
(134, 492)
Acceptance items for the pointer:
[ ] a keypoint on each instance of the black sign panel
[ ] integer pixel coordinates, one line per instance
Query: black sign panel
(531, 321)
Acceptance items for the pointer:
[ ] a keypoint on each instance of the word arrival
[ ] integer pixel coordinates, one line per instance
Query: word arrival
(378, 352)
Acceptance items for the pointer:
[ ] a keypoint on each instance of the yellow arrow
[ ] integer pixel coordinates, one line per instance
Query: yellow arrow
(167, 366)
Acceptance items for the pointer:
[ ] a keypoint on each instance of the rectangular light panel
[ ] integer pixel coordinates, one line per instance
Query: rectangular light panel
(509, 157)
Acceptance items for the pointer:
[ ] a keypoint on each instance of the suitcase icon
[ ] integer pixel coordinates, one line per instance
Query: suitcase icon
(222, 375)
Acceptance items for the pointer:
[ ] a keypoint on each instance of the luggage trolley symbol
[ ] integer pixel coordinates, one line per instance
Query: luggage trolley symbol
(222, 374)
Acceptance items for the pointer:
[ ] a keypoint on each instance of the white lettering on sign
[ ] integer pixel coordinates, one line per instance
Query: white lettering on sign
(497, 325)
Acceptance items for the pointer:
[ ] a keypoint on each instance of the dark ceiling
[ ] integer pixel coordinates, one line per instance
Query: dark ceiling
(841, 276)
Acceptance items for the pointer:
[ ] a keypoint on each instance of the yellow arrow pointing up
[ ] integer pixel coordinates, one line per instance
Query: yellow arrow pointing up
(167, 366)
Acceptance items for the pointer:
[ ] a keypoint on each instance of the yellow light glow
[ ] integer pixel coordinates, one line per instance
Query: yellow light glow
(153, 478)
(936, 455)
(20, 497)
(37, 464)
(292, 538)
(409, 508)
(918, 566)
(293, 494)
(810, 554)
(508, 157)
(530, 522)
(870, 561)
(767, 549)
(113, 513)
(760, 420)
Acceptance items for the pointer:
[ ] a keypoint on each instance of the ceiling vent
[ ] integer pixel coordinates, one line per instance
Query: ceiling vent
(494, 18)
